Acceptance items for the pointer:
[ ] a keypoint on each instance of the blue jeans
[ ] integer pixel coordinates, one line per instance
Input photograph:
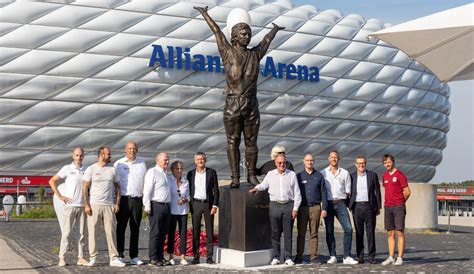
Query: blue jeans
(338, 210)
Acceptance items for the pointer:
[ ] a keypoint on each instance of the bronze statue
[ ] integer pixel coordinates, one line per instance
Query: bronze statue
(241, 113)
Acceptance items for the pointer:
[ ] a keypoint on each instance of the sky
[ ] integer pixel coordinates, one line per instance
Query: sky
(458, 156)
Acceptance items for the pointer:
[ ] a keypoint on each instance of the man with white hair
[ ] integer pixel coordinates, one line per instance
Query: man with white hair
(285, 199)
(241, 114)
(156, 199)
(270, 165)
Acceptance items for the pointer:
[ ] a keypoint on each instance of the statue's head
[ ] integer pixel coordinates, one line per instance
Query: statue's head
(241, 34)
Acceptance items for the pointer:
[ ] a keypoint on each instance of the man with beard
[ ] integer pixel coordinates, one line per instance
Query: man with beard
(101, 191)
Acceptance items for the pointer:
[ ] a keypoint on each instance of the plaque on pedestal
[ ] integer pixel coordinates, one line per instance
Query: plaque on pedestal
(244, 222)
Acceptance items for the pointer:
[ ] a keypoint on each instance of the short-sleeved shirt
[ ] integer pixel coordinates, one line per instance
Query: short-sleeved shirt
(102, 190)
(73, 183)
(132, 176)
(394, 185)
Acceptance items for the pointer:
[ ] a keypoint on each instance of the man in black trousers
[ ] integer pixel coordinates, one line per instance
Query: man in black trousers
(204, 200)
(156, 200)
(365, 204)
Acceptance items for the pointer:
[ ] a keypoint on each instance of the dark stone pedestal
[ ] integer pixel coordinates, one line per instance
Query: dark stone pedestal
(244, 223)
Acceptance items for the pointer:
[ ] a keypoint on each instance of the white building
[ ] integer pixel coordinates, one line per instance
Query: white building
(75, 73)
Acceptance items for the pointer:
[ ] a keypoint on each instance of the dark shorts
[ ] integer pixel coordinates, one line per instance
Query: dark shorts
(395, 217)
(241, 110)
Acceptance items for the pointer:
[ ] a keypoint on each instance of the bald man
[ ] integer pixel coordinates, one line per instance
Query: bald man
(156, 199)
(132, 172)
(73, 203)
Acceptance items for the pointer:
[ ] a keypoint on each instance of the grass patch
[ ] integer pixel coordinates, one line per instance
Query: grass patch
(55, 250)
(37, 212)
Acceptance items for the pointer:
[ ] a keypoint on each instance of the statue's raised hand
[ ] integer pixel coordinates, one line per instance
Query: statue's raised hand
(275, 26)
(201, 9)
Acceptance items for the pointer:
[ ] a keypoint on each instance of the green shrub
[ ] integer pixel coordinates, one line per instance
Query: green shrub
(37, 212)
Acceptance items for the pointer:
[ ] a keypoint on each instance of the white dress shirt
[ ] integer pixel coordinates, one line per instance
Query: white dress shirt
(200, 185)
(362, 193)
(132, 176)
(156, 187)
(338, 185)
(177, 209)
(73, 183)
(282, 187)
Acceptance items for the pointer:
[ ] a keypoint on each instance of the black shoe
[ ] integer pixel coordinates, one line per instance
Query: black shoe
(252, 179)
(235, 182)
(210, 261)
(360, 260)
(195, 260)
(152, 262)
(166, 262)
(160, 263)
(372, 261)
(298, 260)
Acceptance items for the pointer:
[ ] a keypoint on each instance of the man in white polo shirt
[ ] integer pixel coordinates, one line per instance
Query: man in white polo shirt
(101, 204)
(131, 171)
(73, 204)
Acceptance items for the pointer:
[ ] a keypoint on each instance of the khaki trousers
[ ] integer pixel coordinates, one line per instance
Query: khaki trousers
(312, 216)
(72, 215)
(102, 214)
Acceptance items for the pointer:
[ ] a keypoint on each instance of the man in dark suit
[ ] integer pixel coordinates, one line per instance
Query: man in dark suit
(365, 204)
(204, 200)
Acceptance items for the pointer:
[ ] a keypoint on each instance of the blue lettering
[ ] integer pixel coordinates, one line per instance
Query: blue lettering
(281, 67)
(157, 56)
(302, 73)
(269, 67)
(289, 70)
(179, 58)
(170, 57)
(187, 59)
(198, 63)
(211, 60)
(314, 75)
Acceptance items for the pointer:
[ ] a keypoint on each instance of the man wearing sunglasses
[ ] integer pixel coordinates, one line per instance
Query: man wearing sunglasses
(285, 199)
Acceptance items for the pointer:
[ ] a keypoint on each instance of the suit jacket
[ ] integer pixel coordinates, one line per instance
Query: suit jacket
(212, 187)
(373, 190)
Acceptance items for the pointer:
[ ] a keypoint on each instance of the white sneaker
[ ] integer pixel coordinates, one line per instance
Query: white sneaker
(388, 261)
(183, 262)
(117, 262)
(289, 262)
(91, 262)
(136, 261)
(349, 260)
(275, 262)
(399, 261)
(172, 262)
(332, 260)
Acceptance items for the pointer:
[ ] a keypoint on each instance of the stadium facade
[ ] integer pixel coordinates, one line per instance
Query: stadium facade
(77, 73)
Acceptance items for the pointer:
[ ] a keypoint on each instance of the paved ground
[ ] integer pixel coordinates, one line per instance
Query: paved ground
(37, 242)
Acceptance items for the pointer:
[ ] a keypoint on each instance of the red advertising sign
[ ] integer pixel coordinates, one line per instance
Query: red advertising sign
(13, 190)
(444, 197)
(6, 180)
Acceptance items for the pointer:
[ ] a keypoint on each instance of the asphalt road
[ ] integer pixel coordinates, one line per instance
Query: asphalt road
(37, 242)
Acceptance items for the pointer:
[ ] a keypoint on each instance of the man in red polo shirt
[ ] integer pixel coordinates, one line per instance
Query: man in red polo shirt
(396, 194)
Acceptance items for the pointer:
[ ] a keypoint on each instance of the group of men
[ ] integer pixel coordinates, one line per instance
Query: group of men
(311, 195)
(115, 196)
